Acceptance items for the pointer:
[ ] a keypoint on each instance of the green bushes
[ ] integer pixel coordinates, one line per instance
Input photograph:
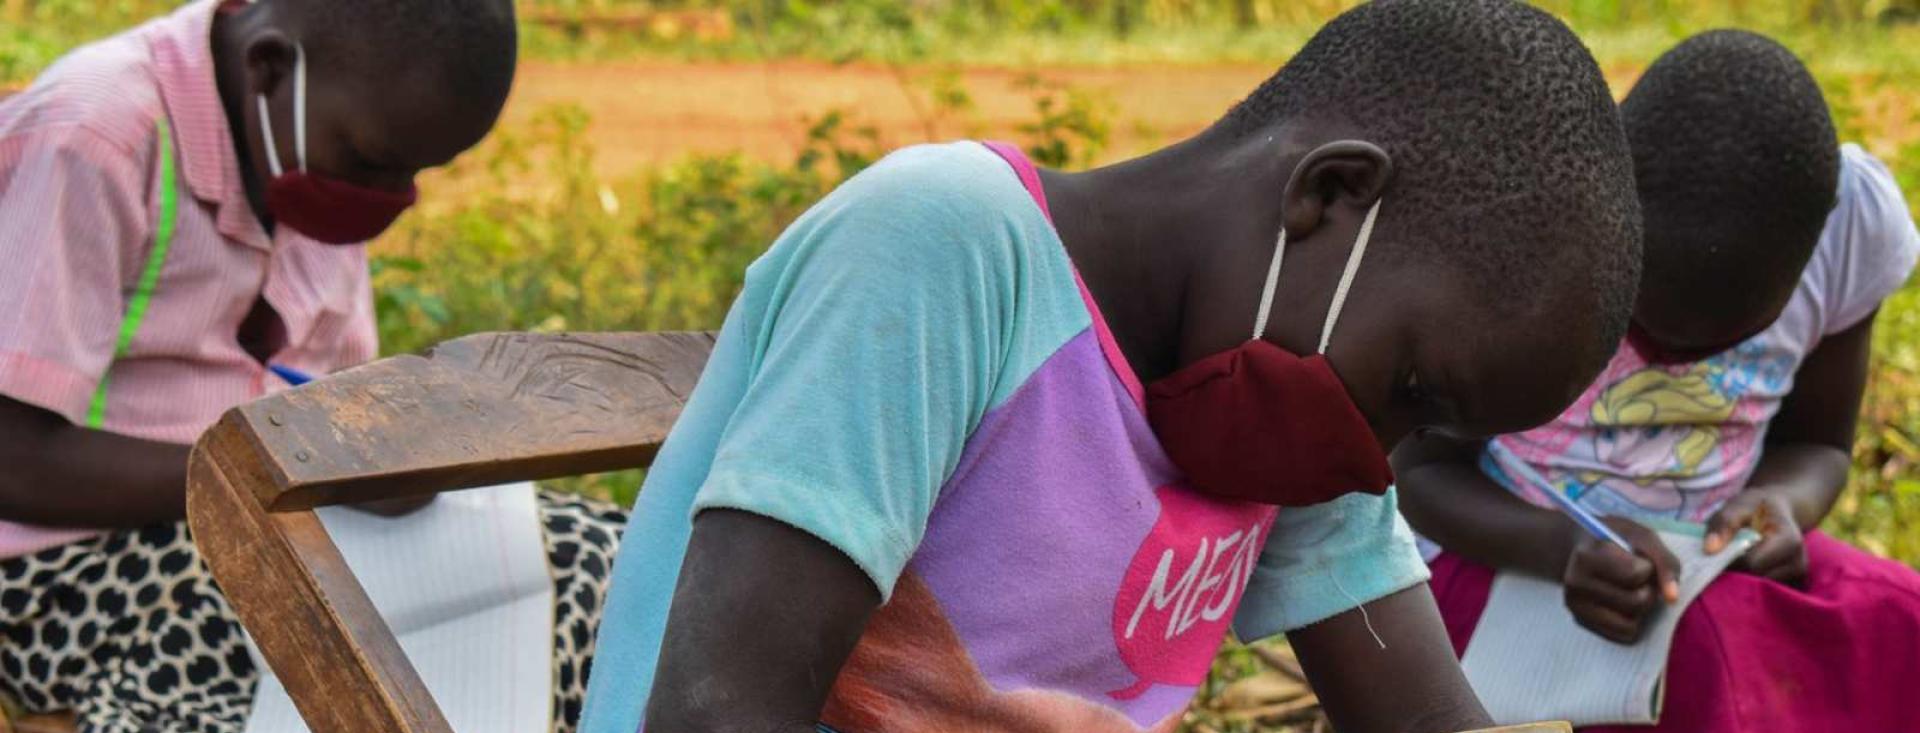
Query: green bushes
(1022, 32)
(35, 32)
(531, 239)
(534, 240)
(1016, 32)
(528, 237)
(1880, 510)
(524, 235)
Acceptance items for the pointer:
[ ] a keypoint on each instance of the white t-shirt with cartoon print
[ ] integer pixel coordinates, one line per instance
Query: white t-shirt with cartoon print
(1676, 441)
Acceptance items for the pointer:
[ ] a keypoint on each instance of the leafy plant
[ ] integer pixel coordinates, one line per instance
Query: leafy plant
(524, 234)
(1071, 126)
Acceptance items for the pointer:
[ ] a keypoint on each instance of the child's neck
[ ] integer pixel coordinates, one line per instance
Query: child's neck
(1138, 232)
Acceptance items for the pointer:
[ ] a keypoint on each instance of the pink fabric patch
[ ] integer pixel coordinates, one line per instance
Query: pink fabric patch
(1178, 596)
(1755, 655)
(1030, 178)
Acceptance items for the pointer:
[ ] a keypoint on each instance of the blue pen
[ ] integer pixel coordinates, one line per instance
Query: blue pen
(1580, 515)
(293, 376)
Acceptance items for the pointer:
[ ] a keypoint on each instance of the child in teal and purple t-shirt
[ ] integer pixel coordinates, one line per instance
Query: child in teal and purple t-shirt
(920, 486)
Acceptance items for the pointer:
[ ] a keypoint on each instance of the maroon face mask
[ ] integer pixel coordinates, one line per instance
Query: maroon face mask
(1258, 423)
(326, 209)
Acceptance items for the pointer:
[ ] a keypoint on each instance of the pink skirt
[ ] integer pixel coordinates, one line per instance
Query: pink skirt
(1754, 655)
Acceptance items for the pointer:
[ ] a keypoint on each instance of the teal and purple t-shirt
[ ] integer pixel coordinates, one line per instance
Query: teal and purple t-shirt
(913, 374)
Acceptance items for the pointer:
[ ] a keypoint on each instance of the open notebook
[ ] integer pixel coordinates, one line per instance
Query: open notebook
(1529, 660)
(464, 585)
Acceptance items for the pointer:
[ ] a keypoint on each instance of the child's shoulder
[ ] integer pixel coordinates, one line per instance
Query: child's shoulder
(955, 204)
(101, 92)
(1869, 245)
(961, 181)
(949, 224)
(1864, 178)
(1870, 211)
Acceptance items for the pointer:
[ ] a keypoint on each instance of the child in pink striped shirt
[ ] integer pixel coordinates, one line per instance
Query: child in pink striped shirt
(180, 207)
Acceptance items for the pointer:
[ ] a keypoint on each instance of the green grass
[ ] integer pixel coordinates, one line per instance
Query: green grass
(1843, 34)
(535, 239)
(33, 33)
(666, 249)
(1039, 33)
(538, 241)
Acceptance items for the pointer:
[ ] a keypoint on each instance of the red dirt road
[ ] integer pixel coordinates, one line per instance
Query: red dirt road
(645, 112)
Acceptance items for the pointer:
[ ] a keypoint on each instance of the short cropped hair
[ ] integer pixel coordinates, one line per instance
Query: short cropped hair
(1510, 164)
(469, 46)
(1738, 165)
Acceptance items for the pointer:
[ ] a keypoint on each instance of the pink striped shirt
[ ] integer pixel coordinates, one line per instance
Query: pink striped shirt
(79, 205)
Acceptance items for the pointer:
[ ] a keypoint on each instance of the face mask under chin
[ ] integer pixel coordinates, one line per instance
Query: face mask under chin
(322, 208)
(1260, 424)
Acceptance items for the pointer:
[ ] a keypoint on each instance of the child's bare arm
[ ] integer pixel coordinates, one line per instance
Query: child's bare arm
(1414, 684)
(1446, 497)
(62, 475)
(1809, 448)
(763, 618)
(1811, 441)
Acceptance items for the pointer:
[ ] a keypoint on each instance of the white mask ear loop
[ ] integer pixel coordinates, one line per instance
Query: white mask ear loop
(1339, 292)
(299, 116)
(300, 128)
(1346, 277)
(266, 130)
(1266, 292)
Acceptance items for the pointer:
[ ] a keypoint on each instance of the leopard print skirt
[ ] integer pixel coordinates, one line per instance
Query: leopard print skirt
(129, 632)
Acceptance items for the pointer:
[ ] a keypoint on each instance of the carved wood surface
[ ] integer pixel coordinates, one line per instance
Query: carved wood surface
(298, 599)
(476, 411)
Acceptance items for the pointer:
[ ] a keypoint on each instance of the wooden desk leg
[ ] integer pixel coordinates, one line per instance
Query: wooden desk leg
(293, 590)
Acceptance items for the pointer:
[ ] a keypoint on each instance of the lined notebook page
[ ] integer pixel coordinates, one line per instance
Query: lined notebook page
(464, 585)
(1529, 660)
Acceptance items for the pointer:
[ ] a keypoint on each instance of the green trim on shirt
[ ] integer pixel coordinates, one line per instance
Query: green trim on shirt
(149, 277)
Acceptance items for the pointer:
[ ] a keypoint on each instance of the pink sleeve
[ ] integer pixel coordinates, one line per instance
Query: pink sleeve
(73, 222)
(362, 341)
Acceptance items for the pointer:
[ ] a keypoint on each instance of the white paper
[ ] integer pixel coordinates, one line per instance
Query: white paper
(1530, 660)
(464, 585)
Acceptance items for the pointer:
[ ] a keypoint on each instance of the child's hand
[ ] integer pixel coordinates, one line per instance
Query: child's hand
(1611, 592)
(1781, 553)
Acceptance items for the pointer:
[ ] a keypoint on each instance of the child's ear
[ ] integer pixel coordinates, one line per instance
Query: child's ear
(1354, 171)
(270, 57)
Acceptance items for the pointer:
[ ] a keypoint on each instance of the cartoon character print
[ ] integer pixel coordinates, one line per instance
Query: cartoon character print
(1665, 440)
(1665, 423)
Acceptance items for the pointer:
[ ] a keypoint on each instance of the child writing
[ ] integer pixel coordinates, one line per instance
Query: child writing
(988, 448)
(1732, 402)
(178, 211)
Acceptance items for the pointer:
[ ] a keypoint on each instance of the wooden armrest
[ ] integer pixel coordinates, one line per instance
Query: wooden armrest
(476, 411)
